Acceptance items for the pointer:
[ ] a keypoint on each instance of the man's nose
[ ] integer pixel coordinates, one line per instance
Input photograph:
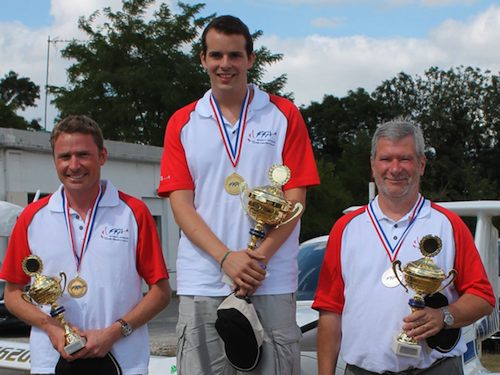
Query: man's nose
(74, 162)
(225, 61)
(395, 165)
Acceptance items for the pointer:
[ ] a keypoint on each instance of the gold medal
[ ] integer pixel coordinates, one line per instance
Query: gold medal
(77, 287)
(279, 174)
(234, 183)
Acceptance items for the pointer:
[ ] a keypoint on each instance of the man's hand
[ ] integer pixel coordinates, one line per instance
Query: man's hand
(423, 323)
(55, 331)
(245, 269)
(99, 342)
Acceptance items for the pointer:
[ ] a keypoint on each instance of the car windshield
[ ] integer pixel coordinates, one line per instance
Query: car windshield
(310, 259)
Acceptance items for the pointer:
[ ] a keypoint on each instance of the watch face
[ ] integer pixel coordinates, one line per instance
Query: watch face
(126, 329)
(448, 318)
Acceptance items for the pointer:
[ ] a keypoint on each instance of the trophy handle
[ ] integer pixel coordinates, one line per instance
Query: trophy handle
(62, 275)
(297, 210)
(25, 296)
(453, 275)
(395, 266)
(244, 189)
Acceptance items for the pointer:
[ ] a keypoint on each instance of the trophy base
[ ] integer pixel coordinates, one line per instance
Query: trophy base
(406, 349)
(75, 346)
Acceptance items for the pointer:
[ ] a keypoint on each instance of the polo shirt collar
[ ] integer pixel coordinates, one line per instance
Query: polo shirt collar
(109, 199)
(425, 211)
(260, 100)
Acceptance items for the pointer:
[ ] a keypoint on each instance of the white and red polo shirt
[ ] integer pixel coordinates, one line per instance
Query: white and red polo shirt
(123, 249)
(351, 284)
(195, 158)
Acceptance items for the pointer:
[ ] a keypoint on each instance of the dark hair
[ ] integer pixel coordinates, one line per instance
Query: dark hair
(228, 25)
(78, 124)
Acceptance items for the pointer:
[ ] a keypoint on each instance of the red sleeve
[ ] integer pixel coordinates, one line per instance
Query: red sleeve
(174, 171)
(297, 152)
(19, 248)
(149, 261)
(330, 292)
(471, 275)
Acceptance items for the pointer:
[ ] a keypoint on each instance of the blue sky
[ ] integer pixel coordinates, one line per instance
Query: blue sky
(329, 46)
(296, 18)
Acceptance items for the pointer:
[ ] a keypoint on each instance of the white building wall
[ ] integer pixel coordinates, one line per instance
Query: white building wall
(26, 165)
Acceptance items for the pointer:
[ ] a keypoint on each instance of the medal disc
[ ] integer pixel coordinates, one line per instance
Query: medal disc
(233, 184)
(279, 174)
(389, 279)
(77, 287)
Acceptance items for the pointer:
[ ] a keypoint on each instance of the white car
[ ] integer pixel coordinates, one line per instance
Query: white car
(486, 238)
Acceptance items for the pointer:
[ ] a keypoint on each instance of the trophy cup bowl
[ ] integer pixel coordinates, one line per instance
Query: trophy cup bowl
(425, 278)
(267, 205)
(46, 290)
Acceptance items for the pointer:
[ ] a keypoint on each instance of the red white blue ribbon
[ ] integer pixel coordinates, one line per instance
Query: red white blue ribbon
(392, 252)
(88, 229)
(233, 151)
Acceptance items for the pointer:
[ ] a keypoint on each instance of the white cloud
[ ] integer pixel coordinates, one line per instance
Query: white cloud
(327, 23)
(27, 48)
(318, 65)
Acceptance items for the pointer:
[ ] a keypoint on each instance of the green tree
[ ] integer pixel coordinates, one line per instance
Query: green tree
(132, 74)
(458, 110)
(340, 130)
(17, 93)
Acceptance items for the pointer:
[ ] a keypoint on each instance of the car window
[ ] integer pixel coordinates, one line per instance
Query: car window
(309, 260)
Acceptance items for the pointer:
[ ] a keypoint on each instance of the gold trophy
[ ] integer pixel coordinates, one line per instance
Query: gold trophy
(267, 205)
(45, 290)
(424, 277)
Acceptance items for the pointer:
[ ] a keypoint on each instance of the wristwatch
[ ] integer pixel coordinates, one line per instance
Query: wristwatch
(126, 328)
(448, 319)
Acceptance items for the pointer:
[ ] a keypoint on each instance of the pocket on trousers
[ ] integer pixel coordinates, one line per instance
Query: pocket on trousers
(287, 349)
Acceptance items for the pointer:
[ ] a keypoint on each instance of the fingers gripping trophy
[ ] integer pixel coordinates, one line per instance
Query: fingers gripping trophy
(425, 278)
(45, 290)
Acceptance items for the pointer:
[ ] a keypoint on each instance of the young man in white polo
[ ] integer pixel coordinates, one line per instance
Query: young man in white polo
(234, 133)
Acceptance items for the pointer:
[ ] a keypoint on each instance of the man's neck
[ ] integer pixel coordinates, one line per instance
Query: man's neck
(81, 203)
(395, 208)
(230, 103)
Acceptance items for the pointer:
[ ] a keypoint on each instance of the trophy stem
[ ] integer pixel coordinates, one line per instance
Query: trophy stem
(256, 234)
(73, 340)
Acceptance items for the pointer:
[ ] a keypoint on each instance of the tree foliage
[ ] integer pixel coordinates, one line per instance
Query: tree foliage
(459, 110)
(135, 71)
(456, 108)
(17, 93)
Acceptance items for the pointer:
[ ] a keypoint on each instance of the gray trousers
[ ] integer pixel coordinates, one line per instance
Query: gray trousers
(445, 366)
(200, 351)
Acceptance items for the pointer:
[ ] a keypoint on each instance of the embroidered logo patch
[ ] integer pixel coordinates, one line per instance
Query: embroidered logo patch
(115, 234)
(263, 137)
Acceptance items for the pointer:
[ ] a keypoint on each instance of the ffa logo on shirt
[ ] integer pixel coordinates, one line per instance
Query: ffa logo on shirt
(115, 234)
(263, 137)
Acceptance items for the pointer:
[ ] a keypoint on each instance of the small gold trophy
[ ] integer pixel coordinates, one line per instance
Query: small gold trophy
(45, 290)
(424, 277)
(267, 205)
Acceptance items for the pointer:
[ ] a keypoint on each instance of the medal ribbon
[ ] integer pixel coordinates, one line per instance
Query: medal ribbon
(88, 229)
(392, 252)
(233, 152)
